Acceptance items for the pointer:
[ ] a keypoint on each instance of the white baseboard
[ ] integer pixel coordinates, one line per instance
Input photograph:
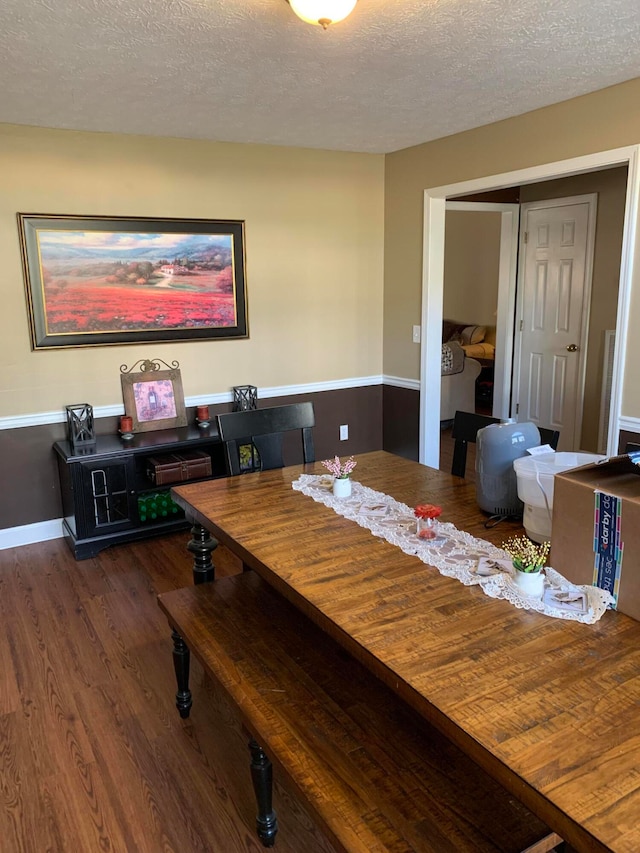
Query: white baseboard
(29, 534)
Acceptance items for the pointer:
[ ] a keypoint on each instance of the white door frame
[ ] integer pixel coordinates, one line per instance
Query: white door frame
(590, 199)
(507, 270)
(433, 273)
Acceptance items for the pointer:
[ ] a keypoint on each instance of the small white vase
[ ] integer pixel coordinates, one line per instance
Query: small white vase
(530, 583)
(341, 487)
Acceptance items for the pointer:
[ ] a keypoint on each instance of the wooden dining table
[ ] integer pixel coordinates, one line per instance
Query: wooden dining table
(550, 708)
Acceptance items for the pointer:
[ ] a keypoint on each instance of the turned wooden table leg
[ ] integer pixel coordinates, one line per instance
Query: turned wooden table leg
(181, 660)
(262, 778)
(202, 545)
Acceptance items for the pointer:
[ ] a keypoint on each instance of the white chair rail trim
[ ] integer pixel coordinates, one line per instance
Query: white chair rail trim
(401, 382)
(629, 424)
(40, 418)
(17, 421)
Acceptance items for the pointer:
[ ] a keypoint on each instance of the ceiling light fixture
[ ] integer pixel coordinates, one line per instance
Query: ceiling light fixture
(322, 12)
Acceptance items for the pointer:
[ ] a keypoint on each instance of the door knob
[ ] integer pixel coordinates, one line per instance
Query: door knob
(573, 348)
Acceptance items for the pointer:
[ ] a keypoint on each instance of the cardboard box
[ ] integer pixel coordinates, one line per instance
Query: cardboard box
(595, 534)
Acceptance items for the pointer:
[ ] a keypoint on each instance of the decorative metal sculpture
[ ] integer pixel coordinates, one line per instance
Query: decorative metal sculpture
(80, 426)
(149, 365)
(245, 397)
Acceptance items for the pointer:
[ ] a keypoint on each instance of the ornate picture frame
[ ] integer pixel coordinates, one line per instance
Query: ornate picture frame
(98, 281)
(153, 398)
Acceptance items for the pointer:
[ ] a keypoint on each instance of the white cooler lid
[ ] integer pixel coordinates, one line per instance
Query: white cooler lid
(553, 463)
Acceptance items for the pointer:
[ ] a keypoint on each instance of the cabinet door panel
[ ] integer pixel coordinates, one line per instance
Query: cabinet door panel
(108, 495)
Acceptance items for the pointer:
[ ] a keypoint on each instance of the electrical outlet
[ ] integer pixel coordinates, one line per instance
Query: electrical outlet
(416, 334)
(344, 432)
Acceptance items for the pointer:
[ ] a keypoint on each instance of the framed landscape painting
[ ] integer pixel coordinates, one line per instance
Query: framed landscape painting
(95, 281)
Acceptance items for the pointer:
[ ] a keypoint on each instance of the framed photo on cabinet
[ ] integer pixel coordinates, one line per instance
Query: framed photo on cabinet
(153, 398)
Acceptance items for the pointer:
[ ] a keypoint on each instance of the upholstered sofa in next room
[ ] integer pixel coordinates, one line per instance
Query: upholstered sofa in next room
(458, 382)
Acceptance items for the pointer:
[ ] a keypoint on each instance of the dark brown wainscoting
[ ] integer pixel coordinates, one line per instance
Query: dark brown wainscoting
(401, 421)
(360, 408)
(31, 490)
(401, 428)
(625, 437)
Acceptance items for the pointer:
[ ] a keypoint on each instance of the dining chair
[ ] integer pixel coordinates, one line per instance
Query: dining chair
(465, 430)
(264, 429)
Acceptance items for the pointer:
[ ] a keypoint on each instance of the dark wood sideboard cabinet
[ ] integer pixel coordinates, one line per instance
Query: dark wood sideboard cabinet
(109, 494)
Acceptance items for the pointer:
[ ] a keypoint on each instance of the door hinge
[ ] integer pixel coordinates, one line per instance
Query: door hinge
(517, 408)
(526, 237)
(521, 325)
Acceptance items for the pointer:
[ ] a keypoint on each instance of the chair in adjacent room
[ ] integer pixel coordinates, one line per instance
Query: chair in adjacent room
(465, 430)
(263, 430)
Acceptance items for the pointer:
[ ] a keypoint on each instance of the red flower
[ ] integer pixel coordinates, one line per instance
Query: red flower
(427, 511)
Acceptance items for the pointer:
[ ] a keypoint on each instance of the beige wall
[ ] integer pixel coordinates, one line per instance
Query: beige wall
(471, 266)
(597, 122)
(314, 242)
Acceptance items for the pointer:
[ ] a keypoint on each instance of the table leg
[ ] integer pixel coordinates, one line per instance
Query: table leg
(181, 661)
(202, 545)
(262, 778)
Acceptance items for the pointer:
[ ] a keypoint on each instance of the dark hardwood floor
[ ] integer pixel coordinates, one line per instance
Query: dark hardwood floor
(93, 754)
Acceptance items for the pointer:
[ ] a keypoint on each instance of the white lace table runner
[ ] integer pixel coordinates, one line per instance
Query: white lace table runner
(454, 553)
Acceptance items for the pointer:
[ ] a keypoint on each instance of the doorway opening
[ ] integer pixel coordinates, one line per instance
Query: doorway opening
(433, 279)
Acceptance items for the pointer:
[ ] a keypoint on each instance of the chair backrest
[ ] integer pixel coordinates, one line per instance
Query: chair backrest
(465, 430)
(549, 436)
(264, 429)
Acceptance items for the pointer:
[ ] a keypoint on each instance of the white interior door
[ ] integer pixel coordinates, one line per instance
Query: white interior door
(556, 255)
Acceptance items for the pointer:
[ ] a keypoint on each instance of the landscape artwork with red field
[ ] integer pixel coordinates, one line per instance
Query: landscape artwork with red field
(135, 285)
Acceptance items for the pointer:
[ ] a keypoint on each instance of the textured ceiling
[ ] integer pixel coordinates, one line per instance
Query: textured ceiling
(393, 74)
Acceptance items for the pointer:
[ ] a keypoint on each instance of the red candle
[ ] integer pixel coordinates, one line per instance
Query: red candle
(126, 423)
(202, 413)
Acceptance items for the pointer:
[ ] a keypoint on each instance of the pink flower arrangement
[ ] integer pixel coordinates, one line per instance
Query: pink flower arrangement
(339, 470)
